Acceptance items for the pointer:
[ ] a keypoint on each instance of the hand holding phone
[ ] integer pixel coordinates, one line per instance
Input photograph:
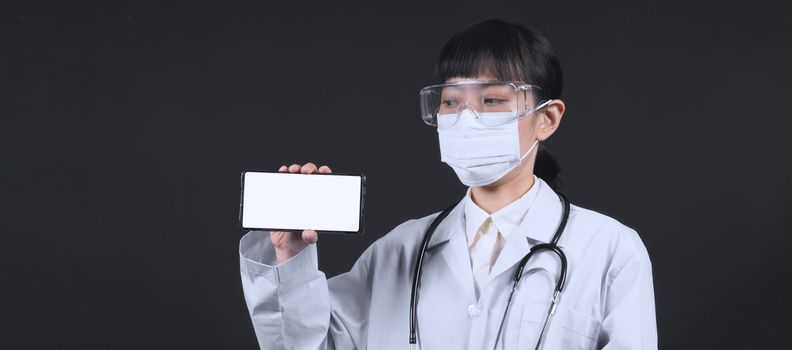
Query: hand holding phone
(294, 205)
(288, 244)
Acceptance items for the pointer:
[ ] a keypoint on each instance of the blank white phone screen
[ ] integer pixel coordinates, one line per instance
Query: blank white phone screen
(301, 201)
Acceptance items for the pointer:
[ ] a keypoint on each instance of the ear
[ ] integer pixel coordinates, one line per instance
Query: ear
(549, 119)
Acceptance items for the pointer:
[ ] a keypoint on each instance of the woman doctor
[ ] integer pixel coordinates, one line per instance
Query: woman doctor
(497, 96)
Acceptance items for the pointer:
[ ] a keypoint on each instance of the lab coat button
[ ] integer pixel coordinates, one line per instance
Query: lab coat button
(473, 310)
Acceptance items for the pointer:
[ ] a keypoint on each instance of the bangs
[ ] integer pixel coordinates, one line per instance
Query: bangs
(506, 51)
(487, 48)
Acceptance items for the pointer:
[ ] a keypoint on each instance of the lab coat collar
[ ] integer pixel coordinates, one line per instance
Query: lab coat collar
(538, 225)
(506, 219)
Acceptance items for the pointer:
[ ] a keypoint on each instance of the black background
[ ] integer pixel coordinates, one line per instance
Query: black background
(125, 127)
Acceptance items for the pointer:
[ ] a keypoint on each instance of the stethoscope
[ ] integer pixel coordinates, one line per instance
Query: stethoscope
(551, 247)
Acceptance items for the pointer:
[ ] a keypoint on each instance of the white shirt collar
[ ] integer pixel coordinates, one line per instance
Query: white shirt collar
(505, 219)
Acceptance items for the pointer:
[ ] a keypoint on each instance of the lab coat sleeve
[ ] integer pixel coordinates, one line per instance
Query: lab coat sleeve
(629, 312)
(290, 304)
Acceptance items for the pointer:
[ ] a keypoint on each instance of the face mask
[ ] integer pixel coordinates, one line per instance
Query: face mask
(480, 155)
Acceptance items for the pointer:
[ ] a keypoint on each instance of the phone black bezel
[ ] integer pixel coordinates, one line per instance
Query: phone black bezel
(362, 201)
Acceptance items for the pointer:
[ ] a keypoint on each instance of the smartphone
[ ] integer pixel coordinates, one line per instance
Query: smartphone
(277, 201)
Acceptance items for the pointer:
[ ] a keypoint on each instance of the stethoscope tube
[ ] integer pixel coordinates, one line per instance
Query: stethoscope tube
(417, 274)
(551, 247)
(556, 293)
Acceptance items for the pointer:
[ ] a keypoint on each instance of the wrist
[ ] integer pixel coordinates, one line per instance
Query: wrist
(284, 254)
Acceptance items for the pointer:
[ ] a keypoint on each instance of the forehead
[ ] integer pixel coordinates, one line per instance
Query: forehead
(485, 76)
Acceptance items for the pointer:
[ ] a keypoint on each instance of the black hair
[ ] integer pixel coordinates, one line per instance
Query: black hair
(508, 51)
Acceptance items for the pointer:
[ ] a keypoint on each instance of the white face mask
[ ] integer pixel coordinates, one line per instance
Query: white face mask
(480, 155)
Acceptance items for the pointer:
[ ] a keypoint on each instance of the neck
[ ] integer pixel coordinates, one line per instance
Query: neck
(493, 197)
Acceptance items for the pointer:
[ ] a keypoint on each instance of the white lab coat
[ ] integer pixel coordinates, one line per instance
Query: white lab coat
(608, 301)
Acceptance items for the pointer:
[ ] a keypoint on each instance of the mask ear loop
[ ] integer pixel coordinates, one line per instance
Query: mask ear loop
(536, 143)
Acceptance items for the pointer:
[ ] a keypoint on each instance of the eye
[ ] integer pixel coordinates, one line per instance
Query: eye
(493, 101)
(448, 103)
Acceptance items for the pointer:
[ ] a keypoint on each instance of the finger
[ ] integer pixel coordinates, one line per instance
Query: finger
(325, 169)
(287, 235)
(283, 168)
(277, 238)
(281, 232)
(308, 168)
(310, 236)
(294, 168)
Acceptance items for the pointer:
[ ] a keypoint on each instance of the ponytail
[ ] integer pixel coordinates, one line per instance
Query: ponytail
(546, 167)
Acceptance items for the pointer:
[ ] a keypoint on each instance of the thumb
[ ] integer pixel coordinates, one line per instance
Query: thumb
(310, 236)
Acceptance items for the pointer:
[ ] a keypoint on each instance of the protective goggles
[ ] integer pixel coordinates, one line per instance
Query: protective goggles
(493, 102)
